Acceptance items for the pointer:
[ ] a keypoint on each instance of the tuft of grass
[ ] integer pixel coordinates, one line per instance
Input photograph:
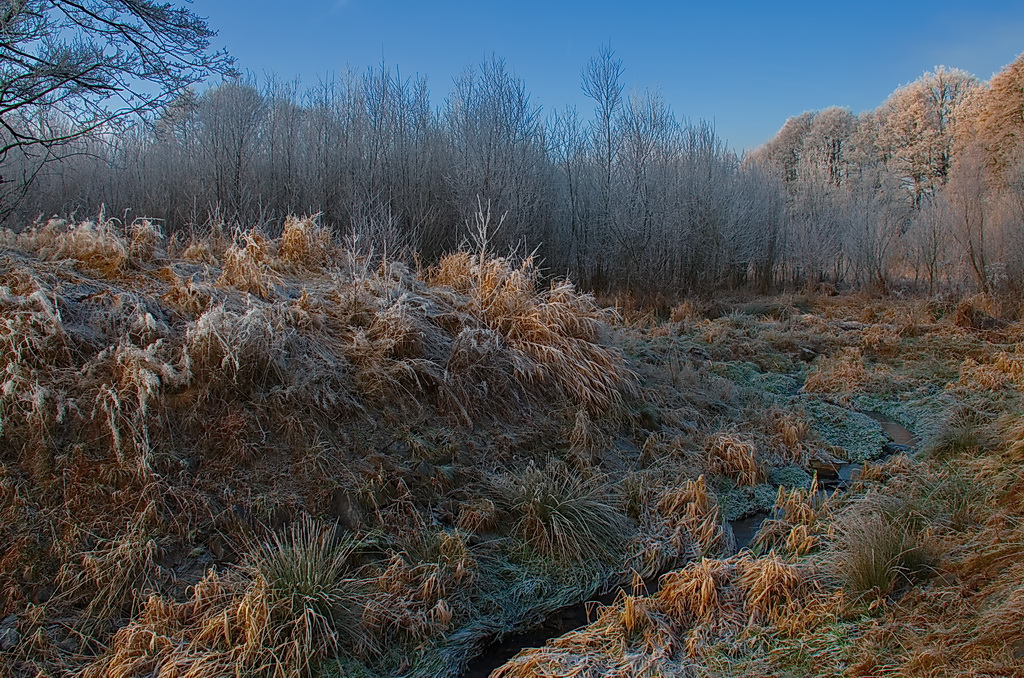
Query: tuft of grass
(1012, 434)
(293, 604)
(845, 373)
(247, 266)
(772, 588)
(734, 456)
(306, 565)
(694, 594)
(304, 578)
(564, 516)
(552, 333)
(693, 513)
(305, 243)
(1005, 369)
(875, 555)
(966, 434)
(795, 526)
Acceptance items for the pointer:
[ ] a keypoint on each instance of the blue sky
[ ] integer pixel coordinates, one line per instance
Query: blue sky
(746, 66)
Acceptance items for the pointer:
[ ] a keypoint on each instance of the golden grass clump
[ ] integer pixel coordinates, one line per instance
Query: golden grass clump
(293, 603)
(688, 310)
(96, 245)
(247, 266)
(478, 516)
(629, 638)
(796, 526)
(305, 243)
(772, 588)
(694, 594)
(114, 578)
(553, 333)
(789, 431)
(1006, 369)
(145, 241)
(845, 373)
(187, 296)
(199, 252)
(1012, 432)
(735, 456)
(422, 587)
(584, 439)
(880, 339)
(693, 516)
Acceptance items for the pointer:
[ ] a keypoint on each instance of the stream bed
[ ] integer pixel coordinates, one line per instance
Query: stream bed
(573, 617)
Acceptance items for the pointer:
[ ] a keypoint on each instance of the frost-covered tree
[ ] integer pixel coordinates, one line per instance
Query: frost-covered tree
(917, 129)
(1000, 124)
(499, 151)
(826, 145)
(783, 153)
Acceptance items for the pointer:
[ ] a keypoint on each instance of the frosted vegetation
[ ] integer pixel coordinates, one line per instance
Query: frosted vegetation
(925, 190)
(511, 360)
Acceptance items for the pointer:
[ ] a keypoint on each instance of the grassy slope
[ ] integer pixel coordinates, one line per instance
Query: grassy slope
(278, 457)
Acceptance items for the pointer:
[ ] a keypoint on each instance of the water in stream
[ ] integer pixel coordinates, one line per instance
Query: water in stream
(744, 530)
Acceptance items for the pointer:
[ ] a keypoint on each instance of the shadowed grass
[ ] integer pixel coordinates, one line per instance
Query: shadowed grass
(564, 516)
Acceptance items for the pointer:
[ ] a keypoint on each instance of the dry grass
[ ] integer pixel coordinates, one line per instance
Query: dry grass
(97, 246)
(247, 265)
(846, 373)
(695, 593)
(881, 339)
(1012, 429)
(293, 604)
(551, 334)
(691, 513)
(796, 527)
(735, 456)
(708, 602)
(789, 431)
(150, 405)
(1005, 369)
(564, 516)
(874, 553)
(306, 244)
(171, 411)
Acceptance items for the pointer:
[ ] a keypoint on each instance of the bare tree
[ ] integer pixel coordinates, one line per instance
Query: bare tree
(602, 82)
(75, 67)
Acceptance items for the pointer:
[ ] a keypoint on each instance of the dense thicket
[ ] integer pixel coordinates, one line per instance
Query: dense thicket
(928, 189)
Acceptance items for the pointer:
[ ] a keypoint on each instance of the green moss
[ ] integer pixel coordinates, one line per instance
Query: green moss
(858, 435)
(739, 372)
(790, 476)
(740, 502)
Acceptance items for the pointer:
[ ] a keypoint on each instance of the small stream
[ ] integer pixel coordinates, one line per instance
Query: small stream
(901, 440)
(573, 617)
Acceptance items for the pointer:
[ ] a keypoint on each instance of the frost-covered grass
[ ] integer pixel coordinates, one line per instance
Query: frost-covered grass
(278, 456)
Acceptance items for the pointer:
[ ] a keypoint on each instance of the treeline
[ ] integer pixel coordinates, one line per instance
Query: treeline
(629, 197)
(927, 188)
(625, 197)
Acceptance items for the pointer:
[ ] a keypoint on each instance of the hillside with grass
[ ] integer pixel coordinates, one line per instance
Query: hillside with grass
(236, 454)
